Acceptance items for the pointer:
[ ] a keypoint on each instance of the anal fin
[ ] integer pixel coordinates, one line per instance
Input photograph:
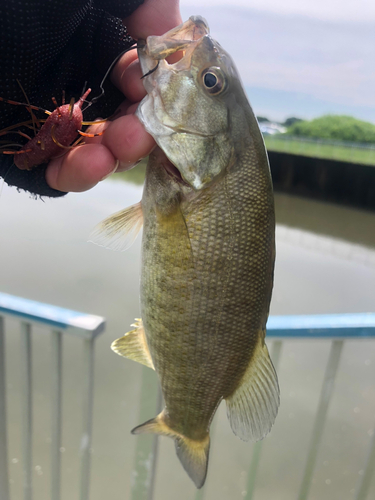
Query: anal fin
(133, 345)
(253, 406)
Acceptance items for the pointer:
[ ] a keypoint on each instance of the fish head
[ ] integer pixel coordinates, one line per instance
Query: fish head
(189, 104)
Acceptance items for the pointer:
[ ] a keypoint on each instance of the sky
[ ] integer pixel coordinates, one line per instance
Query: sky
(298, 58)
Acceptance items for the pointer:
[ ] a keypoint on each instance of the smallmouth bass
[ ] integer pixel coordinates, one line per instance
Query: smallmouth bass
(208, 247)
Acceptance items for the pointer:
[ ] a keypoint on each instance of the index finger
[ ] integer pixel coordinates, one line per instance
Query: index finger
(126, 76)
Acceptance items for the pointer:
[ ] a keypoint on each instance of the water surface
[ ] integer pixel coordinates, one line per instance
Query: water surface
(325, 264)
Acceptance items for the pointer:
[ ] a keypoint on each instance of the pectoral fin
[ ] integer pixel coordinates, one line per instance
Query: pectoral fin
(133, 345)
(119, 231)
(253, 407)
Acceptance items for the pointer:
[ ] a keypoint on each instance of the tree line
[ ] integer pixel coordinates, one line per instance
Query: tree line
(331, 127)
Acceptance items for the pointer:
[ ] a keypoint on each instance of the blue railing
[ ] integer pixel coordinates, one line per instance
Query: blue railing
(328, 326)
(60, 322)
(334, 328)
(338, 328)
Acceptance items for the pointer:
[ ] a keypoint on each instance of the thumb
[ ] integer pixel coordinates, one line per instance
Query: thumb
(153, 17)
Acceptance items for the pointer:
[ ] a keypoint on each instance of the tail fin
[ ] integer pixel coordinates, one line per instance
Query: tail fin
(194, 457)
(193, 454)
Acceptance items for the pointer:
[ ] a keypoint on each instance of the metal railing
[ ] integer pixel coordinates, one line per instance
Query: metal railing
(336, 329)
(60, 322)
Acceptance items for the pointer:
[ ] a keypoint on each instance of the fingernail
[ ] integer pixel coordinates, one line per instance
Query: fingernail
(125, 165)
(111, 172)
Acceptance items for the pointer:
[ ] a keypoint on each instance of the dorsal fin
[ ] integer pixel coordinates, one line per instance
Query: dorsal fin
(119, 230)
(133, 345)
(253, 406)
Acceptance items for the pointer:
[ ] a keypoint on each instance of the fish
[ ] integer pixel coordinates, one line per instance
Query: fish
(208, 247)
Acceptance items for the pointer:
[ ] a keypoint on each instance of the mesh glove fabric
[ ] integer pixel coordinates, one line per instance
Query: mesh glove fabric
(52, 46)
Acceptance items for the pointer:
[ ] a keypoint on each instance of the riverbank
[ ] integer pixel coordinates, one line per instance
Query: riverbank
(329, 180)
(350, 184)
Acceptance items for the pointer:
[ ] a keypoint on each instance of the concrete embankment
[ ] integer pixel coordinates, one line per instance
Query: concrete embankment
(330, 180)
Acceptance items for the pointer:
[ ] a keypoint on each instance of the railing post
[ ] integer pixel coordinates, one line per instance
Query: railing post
(62, 321)
(87, 401)
(56, 414)
(4, 474)
(320, 418)
(143, 475)
(257, 448)
(155, 448)
(369, 471)
(27, 409)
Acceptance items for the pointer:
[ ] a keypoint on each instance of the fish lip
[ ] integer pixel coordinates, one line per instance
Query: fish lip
(150, 64)
(184, 37)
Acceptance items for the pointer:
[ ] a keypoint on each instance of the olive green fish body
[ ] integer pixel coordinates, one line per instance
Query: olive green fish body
(205, 288)
(208, 247)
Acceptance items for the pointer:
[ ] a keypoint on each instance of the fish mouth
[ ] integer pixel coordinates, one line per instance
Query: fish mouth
(183, 39)
(180, 38)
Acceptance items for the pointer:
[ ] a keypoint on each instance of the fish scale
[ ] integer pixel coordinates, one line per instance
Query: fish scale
(208, 248)
(226, 275)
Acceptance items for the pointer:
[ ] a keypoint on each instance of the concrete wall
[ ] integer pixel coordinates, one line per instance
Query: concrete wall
(337, 181)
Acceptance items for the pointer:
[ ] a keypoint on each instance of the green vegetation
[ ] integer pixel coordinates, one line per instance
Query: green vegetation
(320, 149)
(317, 138)
(262, 119)
(291, 121)
(335, 127)
(136, 175)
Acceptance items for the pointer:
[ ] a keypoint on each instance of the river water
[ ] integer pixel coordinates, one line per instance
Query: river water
(325, 264)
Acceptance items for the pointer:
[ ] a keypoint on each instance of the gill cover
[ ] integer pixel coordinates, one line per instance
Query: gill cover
(187, 107)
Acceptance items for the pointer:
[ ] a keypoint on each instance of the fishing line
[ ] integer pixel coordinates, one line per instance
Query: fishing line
(84, 88)
(151, 71)
(106, 76)
(33, 117)
(93, 101)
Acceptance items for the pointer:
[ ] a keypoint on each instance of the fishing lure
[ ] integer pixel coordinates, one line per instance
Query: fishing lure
(59, 129)
(57, 133)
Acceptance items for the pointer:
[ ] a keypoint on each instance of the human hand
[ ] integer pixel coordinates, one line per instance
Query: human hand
(124, 141)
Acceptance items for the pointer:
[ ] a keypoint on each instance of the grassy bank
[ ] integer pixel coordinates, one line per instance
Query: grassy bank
(350, 152)
(316, 149)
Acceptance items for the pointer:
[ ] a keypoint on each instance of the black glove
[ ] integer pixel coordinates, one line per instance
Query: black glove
(51, 47)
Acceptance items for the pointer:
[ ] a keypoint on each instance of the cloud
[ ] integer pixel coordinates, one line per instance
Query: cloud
(345, 83)
(332, 10)
(330, 61)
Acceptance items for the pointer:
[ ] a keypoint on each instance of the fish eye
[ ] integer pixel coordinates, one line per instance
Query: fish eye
(210, 80)
(213, 80)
